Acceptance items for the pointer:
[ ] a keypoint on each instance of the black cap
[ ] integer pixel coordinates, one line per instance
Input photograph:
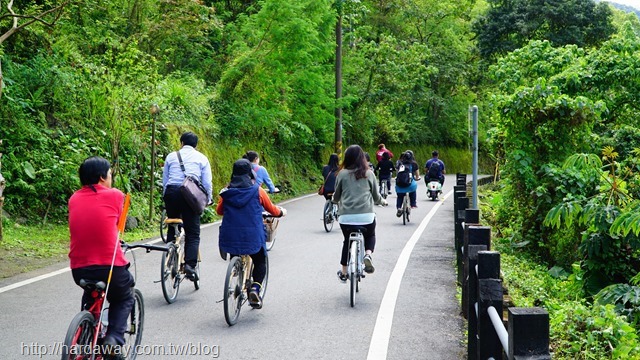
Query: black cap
(242, 174)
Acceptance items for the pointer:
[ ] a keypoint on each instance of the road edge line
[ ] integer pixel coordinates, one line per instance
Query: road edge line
(379, 344)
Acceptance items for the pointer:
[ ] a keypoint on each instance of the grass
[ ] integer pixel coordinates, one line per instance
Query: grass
(26, 248)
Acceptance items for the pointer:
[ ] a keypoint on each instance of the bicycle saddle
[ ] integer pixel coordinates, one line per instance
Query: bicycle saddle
(92, 284)
(173, 221)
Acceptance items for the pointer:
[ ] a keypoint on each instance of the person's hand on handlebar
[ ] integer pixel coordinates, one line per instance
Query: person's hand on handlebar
(384, 202)
(284, 211)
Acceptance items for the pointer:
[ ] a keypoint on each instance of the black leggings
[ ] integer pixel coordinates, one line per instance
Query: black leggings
(369, 239)
(259, 266)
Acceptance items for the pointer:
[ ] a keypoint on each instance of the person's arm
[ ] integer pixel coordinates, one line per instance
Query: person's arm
(266, 179)
(207, 180)
(165, 173)
(337, 192)
(442, 163)
(219, 208)
(269, 206)
(390, 154)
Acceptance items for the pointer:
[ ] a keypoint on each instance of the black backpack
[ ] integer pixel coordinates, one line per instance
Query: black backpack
(434, 170)
(405, 175)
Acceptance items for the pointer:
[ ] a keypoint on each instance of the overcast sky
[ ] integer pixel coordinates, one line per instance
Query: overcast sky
(634, 3)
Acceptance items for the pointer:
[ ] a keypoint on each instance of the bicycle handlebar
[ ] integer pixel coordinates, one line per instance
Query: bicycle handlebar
(147, 247)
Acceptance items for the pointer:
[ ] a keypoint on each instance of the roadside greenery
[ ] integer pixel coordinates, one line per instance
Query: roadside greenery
(558, 89)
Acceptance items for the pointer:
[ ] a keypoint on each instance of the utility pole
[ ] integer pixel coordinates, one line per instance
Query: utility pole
(2, 185)
(338, 109)
(154, 110)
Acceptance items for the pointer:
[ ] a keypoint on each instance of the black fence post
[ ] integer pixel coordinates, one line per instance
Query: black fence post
(462, 203)
(473, 235)
(461, 179)
(469, 304)
(528, 334)
(489, 294)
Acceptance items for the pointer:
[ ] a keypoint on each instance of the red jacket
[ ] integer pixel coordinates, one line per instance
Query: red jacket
(93, 226)
(382, 151)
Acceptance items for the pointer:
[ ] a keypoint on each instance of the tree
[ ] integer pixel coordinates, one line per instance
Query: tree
(46, 15)
(510, 24)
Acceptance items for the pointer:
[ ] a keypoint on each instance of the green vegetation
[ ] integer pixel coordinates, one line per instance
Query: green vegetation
(558, 89)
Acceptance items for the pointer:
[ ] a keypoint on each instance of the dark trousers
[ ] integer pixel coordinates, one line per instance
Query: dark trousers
(259, 265)
(369, 239)
(177, 208)
(387, 179)
(412, 199)
(120, 295)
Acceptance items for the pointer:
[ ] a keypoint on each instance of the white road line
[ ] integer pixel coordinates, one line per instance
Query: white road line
(382, 330)
(62, 271)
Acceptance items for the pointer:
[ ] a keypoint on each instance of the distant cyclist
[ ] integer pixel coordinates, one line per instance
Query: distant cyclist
(94, 211)
(329, 173)
(434, 168)
(356, 193)
(242, 230)
(409, 168)
(262, 175)
(385, 170)
(381, 150)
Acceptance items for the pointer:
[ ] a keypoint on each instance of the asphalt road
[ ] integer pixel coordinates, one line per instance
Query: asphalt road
(406, 310)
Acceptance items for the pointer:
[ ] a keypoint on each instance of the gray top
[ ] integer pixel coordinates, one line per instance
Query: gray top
(356, 196)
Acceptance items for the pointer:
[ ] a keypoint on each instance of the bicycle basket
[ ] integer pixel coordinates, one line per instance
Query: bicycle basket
(271, 224)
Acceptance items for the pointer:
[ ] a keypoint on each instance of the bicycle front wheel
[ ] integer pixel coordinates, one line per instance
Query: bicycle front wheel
(78, 343)
(353, 273)
(133, 333)
(233, 291)
(327, 218)
(169, 272)
(163, 226)
(196, 282)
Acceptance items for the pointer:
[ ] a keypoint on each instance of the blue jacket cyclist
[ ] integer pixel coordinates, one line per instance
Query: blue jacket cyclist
(242, 230)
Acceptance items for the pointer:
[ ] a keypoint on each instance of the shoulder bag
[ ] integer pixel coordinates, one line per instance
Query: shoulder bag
(192, 190)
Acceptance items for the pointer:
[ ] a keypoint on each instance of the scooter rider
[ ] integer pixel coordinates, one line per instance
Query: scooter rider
(438, 172)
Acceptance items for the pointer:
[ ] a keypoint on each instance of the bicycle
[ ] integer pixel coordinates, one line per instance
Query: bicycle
(89, 327)
(406, 209)
(384, 190)
(237, 284)
(329, 215)
(172, 266)
(355, 264)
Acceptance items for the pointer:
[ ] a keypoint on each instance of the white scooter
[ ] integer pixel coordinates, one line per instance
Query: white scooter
(434, 188)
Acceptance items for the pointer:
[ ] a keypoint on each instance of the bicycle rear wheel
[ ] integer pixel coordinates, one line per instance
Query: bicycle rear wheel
(78, 343)
(170, 276)
(327, 218)
(353, 274)
(385, 191)
(233, 295)
(163, 226)
(133, 333)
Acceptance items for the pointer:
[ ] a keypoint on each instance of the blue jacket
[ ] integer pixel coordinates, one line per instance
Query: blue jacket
(242, 230)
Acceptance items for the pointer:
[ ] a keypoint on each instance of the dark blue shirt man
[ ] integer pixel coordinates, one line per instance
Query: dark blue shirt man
(438, 172)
